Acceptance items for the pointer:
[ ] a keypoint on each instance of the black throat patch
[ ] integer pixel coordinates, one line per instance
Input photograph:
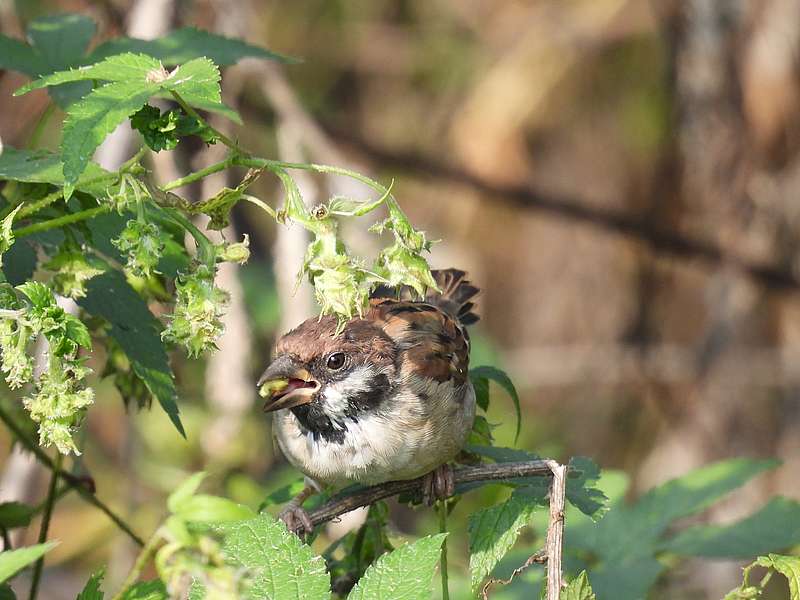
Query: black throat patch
(321, 425)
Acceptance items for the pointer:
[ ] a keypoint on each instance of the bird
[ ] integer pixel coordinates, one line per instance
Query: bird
(387, 397)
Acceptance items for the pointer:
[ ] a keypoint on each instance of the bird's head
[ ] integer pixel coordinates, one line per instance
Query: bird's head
(325, 378)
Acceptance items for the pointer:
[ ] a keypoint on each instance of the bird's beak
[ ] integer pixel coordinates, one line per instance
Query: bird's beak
(286, 384)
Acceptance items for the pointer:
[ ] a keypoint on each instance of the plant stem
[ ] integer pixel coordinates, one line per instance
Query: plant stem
(45, 526)
(193, 113)
(441, 508)
(146, 553)
(71, 481)
(191, 177)
(61, 221)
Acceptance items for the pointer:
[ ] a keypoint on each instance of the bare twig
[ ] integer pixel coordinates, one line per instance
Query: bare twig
(538, 557)
(555, 529)
(346, 502)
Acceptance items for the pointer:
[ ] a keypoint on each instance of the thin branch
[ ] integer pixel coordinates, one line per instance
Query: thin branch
(345, 502)
(555, 529)
(77, 483)
(44, 528)
(538, 557)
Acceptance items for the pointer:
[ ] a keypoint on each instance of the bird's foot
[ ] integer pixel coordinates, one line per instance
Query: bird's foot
(439, 484)
(296, 519)
(294, 516)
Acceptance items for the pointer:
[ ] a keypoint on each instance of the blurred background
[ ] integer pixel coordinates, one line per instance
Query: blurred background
(620, 177)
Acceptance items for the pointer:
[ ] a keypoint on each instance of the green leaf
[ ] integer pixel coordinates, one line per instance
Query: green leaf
(481, 387)
(61, 39)
(582, 491)
(38, 293)
(184, 491)
(203, 508)
(578, 589)
(635, 530)
(185, 44)
(137, 332)
(20, 262)
(504, 381)
(197, 591)
(775, 527)
(90, 120)
(15, 514)
(492, 532)
(220, 204)
(196, 81)
(12, 561)
(40, 166)
(6, 593)
(91, 590)
(16, 55)
(124, 68)
(788, 566)
(147, 590)
(405, 574)
(6, 234)
(280, 566)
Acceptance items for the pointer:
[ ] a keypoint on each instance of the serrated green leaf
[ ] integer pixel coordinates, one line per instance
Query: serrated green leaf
(123, 68)
(6, 234)
(38, 293)
(197, 591)
(196, 81)
(492, 532)
(16, 55)
(788, 566)
(775, 527)
(582, 491)
(15, 514)
(137, 332)
(184, 491)
(40, 166)
(279, 565)
(90, 120)
(203, 508)
(12, 561)
(91, 590)
(504, 381)
(404, 574)
(578, 589)
(147, 590)
(185, 44)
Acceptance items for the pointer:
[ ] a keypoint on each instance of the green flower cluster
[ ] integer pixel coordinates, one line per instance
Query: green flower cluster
(195, 322)
(402, 262)
(59, 403)
(60, 396)
(17, 365)
(143, 244)
(72, 269)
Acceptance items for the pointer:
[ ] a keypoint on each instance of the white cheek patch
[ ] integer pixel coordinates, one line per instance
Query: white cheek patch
(336, 394)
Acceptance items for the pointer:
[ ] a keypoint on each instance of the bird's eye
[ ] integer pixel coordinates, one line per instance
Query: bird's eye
(335, 361)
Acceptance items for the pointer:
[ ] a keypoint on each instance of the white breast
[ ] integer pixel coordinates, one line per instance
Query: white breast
(405, 438)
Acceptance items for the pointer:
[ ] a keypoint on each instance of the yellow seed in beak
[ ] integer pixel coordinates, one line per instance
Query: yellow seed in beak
(272, 386)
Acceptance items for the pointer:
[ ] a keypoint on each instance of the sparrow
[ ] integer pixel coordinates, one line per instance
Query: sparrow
(386, 398)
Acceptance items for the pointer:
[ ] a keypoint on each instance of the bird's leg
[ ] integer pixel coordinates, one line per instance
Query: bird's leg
(439, 484)
(295, 516)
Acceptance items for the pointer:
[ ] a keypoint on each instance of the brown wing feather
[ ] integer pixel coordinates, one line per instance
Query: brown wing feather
(434, 344)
